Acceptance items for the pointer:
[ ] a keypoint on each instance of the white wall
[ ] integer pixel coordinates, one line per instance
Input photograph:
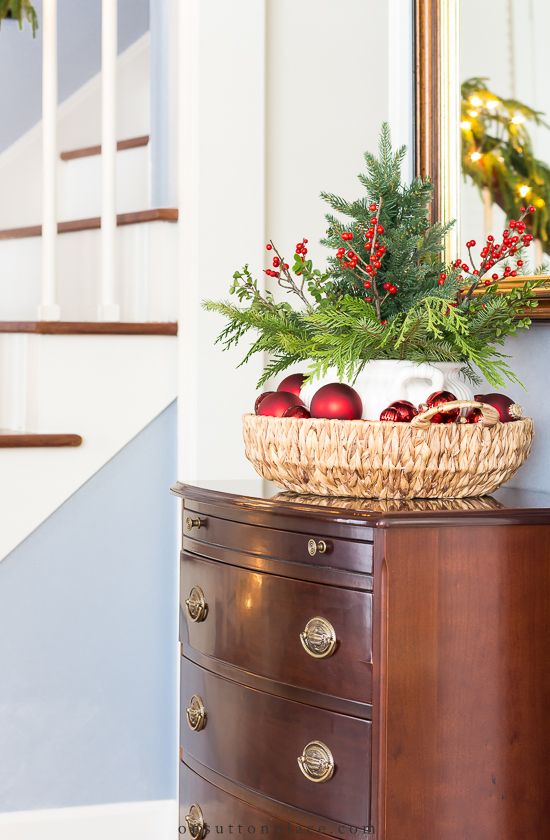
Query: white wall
(279, 99)
(324, 106)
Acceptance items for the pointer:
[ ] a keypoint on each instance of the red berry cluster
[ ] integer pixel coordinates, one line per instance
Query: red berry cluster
(514, 238)
(277, 263)
(301, 249)
(366, 268)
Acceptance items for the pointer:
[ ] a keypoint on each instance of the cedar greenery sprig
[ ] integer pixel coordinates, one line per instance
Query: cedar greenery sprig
(387, 292)
(19, 10)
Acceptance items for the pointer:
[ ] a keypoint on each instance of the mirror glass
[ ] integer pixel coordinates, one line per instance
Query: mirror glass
(505, 120)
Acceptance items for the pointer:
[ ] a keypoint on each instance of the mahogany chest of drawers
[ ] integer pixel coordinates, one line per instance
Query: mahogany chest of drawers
(353, 667)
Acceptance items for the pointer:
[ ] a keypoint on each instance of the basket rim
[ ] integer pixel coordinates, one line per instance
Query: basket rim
(386, 424)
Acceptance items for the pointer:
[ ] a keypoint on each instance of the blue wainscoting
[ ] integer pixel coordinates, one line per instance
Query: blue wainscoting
(88, 630)
(530, 359)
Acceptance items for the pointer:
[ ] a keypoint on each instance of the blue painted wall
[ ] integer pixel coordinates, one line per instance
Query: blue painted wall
(88, 640)
(530, 359)
(79, 51)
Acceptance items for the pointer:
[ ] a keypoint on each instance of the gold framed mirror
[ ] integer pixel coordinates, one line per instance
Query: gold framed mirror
(443, 139)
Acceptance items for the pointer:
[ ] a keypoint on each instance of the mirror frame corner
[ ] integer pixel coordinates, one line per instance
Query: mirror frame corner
(437, 118)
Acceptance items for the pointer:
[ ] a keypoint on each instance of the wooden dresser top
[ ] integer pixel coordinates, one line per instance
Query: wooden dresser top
(254, 500)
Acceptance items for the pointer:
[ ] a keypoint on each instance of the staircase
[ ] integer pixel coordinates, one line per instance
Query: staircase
(74, 391)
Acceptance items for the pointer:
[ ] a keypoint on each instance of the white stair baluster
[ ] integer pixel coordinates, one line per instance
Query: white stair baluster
(49, 308)
(109, 309)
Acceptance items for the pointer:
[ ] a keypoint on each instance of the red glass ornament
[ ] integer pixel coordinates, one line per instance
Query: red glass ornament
(297, 411)
(292, 384)
(336, 402)
(437, 398)
(508, 410)
(276, 403)
(390, 414)
(405, 410)
(474, 415)
(260, 398)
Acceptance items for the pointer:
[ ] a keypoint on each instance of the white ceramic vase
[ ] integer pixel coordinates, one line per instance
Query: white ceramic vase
(381, 382)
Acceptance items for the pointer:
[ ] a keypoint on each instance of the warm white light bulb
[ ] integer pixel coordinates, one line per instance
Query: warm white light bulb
(524, 189)
(476, 101)
(465, 125)
(475, 156)
(492, 104)
(518, 119)
(472, 113)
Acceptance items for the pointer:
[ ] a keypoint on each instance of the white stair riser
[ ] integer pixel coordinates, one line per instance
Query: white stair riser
(147, 281)
(79, 184)
(105, 388)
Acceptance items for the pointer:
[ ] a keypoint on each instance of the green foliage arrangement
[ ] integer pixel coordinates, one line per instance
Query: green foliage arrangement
(387, 292)
(19, 10)
(497, 154)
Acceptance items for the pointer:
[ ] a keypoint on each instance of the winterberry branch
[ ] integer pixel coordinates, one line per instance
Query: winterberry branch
(290, 285)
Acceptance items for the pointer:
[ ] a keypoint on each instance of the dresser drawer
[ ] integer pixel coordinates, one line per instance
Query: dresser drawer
(254, 620)
(255, 739)
(223, 813)
(304, 547)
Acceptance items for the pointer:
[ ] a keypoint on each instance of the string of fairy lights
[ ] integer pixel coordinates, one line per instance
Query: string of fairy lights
(497, 154)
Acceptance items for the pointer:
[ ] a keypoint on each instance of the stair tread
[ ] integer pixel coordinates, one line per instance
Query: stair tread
(15, 439)
(89, 151)
(90, 327)
(158, 214)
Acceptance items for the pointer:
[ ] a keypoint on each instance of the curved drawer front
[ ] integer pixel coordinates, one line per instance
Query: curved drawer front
(254, 621)
(223, 813)
(255, 739)
(293, 546)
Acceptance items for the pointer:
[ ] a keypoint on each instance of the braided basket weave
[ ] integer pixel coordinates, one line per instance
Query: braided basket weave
(384, 460)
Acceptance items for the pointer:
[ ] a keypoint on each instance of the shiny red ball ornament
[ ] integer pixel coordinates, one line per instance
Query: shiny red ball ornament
(260, 398)
(508, 410)
(276, 403)
(438, 398)
(405, 409)
(292, 384)
(297, 411)
(474, 415)
(336, 402)
(390, 414)
(399, 411)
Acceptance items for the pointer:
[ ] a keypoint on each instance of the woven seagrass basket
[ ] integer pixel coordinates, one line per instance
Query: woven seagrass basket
(385, 460)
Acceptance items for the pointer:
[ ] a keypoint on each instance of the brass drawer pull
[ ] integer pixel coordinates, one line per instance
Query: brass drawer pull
(316, 762)
(195, 822)
(196, 713)
(194, 522)
(316, 547)
(196, 604)
(319, 638)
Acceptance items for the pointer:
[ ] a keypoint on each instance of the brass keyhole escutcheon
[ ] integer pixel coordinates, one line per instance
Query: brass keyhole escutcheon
(319, 638)
(196, 713)
(197, 607)
(316, 547)
(195, 822)
(316, 762)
